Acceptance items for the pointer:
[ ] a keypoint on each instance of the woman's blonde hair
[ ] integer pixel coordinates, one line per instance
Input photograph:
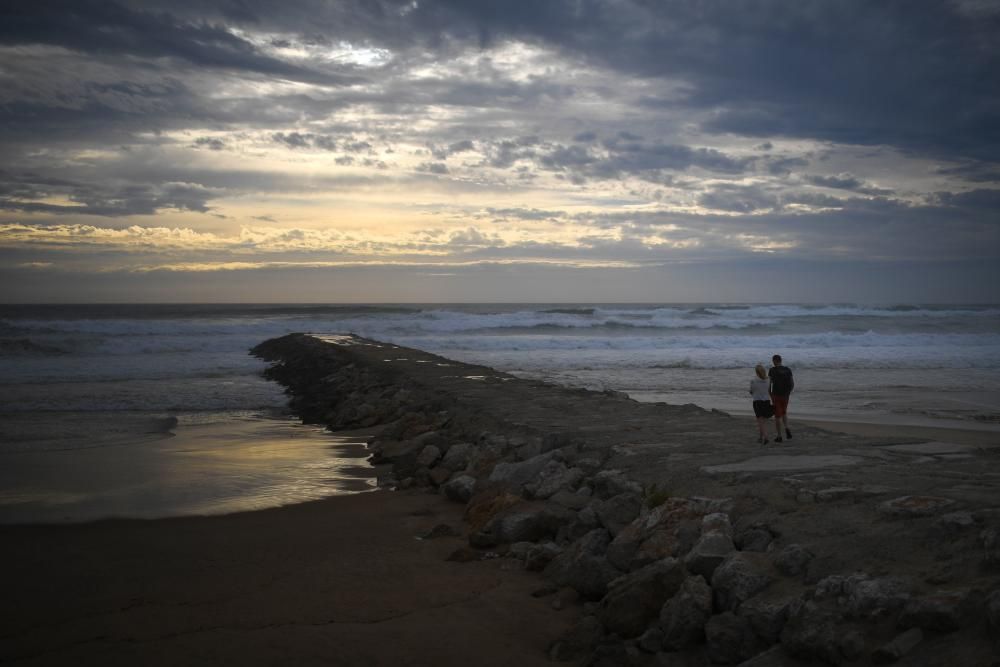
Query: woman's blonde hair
(761, 373)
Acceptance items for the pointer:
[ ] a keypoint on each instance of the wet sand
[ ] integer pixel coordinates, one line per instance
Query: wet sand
(191, 469)
(340, 581)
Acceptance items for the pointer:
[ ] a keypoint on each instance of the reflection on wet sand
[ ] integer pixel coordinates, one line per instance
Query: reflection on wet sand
(199, 469)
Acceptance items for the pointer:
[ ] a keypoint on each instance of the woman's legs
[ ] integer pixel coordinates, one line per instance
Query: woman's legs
(761, 426)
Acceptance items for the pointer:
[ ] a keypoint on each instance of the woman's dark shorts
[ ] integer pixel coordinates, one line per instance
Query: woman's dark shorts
(763, 409)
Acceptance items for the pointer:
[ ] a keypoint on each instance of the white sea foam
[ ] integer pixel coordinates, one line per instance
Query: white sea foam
(200, 352)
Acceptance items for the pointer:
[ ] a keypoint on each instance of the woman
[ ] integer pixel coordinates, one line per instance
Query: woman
(762, 407)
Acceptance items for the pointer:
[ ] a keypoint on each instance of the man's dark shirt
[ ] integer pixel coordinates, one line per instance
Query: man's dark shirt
(782, 382)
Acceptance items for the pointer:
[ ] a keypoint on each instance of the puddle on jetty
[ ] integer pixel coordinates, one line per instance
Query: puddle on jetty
(199, 469)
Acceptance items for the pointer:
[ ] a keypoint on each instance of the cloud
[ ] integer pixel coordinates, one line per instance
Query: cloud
(453, 148)
(618, 130)
(739, 199)
(845, 182)
(210, 143)
(106, 28)
(35, 196)
(433, 167)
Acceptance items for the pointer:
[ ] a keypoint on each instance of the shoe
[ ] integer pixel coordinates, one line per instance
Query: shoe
(761, 440)
(788, 434)
(778, 439)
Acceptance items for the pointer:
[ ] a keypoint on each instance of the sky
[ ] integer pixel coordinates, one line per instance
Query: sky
(544, 151)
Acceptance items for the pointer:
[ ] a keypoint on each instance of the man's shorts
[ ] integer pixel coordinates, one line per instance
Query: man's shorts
(780, 405)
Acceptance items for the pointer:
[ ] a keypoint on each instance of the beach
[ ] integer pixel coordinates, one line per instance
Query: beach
(341, 581)
(519, 467)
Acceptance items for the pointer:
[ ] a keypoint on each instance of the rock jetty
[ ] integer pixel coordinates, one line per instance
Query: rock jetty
(681, 540)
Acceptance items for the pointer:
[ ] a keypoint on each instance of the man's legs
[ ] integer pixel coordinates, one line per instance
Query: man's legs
(780, 416)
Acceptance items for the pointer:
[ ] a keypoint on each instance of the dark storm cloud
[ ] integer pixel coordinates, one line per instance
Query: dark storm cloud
(738, 199)
(210, 143)
(102, 27)
(853, 72)
(91, 199)
(892, 73)
(846, 182)
(784, 166)
(980, 199)
(976, 172)
(626, 155)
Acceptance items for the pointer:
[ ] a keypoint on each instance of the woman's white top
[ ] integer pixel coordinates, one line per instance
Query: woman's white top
(759, 389)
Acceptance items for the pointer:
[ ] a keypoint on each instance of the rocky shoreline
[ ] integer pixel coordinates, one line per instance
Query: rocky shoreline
(682, 542)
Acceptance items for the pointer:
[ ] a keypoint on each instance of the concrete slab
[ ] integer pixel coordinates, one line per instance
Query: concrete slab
(783, 463)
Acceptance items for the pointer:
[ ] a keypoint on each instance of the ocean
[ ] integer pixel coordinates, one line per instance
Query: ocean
(122, 381)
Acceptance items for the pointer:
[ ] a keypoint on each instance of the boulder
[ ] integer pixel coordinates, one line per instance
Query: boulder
(618, 511)
(586, 520)
(767, 613)
(540, 555)
(570, 499)
(900, 645)
(485, 455)
(609, 483)
(683, 617)
(717, 522)
(993, 612)
(526, 522)
(392, 451)
(439, 475)
(756, 537)
(623, 547)
(519, 474)
(441, 530)
(851, 644)
(941, 611)
(486, 504)
(772, 657)
(738, 578)
(862, 596)
(730, 639)
(635, 599)
(877, 596)
(665, 543)
(460, 488)
(990, 540)
(672, 528)
(811, 633)
(708, 553)
(518, 550)
(792, 560)
(651, 641)
(428, 456)
(583, 566)
(553, 478)
(457, 456)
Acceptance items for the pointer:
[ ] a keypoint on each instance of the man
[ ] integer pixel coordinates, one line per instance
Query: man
(782, 384)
